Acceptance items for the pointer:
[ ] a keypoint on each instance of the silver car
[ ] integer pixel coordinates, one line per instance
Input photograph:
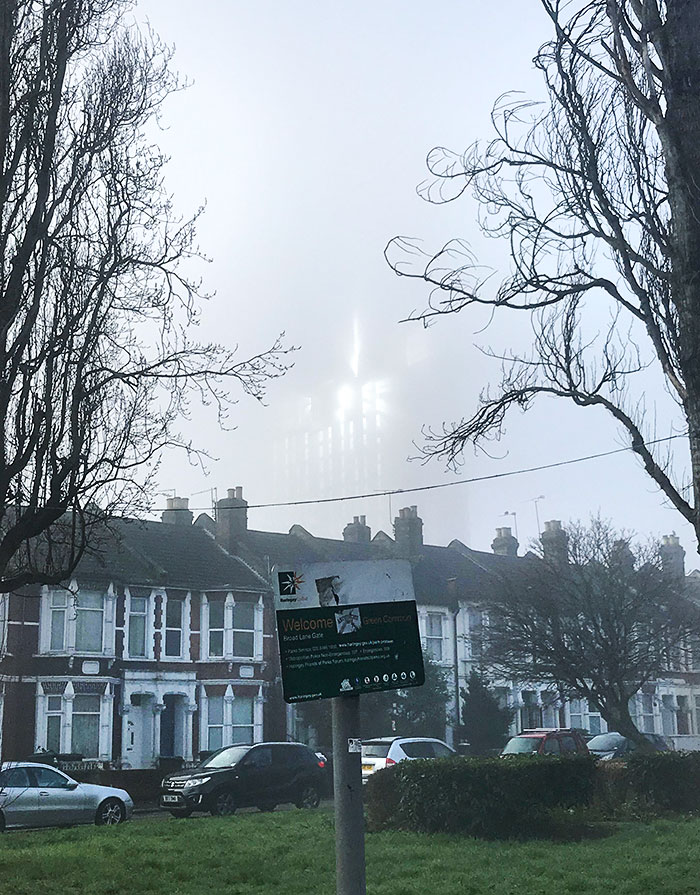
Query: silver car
(38, 795)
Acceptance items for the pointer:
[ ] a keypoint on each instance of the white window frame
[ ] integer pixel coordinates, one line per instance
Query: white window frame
(219, 725)
(206, 629)
(253, 655)
(71, 609)
(148, 626)
(184, 654)
(432, 638)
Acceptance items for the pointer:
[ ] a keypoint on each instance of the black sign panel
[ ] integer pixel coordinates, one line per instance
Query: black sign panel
(331, 650)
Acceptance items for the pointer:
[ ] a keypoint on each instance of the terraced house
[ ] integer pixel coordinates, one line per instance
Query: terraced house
(164, 643)
(161, 645)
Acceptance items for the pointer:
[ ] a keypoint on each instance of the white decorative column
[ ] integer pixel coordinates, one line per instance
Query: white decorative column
(203, 709)
(258, 704)
(258, 635)
(188, 715)
(109, 626)
(67, 726)
(106, 717)
(229, 696)
(204, 627)
(187, 627)
(229, 606)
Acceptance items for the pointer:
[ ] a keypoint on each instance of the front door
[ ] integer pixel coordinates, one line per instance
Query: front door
(167, 727)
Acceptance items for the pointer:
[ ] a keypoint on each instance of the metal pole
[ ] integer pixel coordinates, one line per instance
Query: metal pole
(347, 790)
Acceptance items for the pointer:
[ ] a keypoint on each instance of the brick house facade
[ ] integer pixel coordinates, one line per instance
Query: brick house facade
(163, 644)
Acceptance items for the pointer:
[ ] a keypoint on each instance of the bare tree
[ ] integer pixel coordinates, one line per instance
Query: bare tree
(597, 624)
(96, 363)
(598, 192)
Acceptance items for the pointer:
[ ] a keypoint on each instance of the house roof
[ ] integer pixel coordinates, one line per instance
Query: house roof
(157, 554)
(442, 576)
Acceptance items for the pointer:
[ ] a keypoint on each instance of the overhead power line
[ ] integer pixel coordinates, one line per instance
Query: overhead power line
(469, 481)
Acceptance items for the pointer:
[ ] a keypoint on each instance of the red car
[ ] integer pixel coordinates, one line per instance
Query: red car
(547, 741)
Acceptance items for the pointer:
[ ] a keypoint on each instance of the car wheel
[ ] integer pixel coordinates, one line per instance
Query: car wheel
(181, 812)
(110, 812)
(2, 822)
(223, 803)
(270, 806)
(309, 797)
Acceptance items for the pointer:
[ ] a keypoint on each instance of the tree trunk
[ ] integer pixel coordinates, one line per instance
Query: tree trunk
(618, 718)
(680, 49)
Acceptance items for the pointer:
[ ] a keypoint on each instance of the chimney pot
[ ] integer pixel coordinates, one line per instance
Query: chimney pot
(504, 544)
(357, 532)
(177, 511)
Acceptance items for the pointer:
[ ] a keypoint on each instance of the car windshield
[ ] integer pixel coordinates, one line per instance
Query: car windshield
(225, 758)
(522, 745)
(375, 750)
(606, 742)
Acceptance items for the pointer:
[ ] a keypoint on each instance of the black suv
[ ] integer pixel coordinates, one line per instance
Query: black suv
(263, 775)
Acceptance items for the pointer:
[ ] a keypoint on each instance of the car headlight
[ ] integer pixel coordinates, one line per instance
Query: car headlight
(198, 781)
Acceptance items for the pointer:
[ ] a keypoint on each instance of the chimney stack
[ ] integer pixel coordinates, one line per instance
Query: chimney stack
(357, 531)
(504, 544)
(408, 531)
(177, 511)
(231, 518)
(555, 543)
(672, 557)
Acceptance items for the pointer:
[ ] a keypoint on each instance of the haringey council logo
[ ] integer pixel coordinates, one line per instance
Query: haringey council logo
(289, 584)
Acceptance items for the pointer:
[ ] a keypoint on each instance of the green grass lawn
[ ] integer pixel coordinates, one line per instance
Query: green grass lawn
(292, 853)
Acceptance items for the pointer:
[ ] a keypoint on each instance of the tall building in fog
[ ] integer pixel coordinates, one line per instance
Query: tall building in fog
(335, 440)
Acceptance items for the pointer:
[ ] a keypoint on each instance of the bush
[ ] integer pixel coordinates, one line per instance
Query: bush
(668, 780)
(489, 797)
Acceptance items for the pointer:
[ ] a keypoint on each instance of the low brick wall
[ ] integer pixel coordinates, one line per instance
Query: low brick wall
(142, 785)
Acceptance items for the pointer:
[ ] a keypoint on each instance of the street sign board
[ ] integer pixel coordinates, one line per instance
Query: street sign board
(347, 627)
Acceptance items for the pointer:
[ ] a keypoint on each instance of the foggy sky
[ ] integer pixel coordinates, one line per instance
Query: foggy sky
(305, 131)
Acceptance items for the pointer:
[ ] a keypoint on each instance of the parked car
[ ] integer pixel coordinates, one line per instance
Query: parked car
(547, 741)
(264, 775)
(607, 746)
(383, 752)
(38, 795)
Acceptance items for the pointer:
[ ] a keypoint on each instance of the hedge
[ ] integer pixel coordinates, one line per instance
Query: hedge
(666, 781)
(488, 797)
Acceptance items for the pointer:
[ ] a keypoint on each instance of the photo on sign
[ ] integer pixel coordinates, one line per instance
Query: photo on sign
(347, 621)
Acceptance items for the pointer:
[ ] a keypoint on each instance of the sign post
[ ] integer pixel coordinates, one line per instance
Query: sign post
(347, 793)
(346, 628)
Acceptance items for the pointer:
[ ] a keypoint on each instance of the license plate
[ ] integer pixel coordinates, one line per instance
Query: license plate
(170, 800)
(367, 767)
